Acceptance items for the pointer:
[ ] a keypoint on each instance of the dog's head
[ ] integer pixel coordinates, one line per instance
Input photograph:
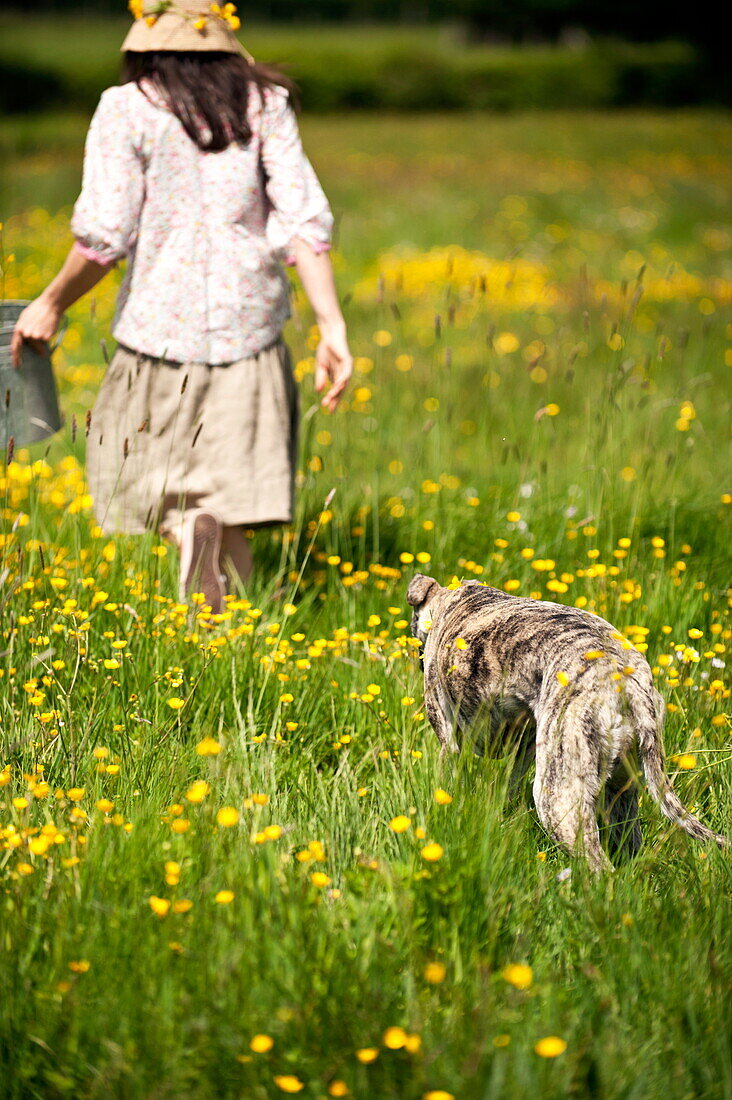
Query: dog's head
(420, 594)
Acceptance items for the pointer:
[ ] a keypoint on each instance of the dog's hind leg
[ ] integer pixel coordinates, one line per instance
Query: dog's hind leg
(566, 794)
(442, 717)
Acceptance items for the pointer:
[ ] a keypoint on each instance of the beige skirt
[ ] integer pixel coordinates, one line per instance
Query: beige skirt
(166, 437)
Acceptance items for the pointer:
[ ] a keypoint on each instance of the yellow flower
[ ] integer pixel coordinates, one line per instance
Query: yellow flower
(506, 342)
(111, 662)
(224, 897)
(208, 747)
(550, 1047)
(227, 817)
(400, 824)
(39, 845)
(175, 703)
(136, 8)
(686, 761)
(442, 798)
(366, 1055)
(289, 1083)
(260, 1044)
(260, 799)
(563, 678)
(438, 1094)
(432, 852)
(105, 805)
(75, 794)
(518, 975)
(182, 906)
(159, 906)
(319, 879)
(434, 972)
(198, 791)
(338, 1088)
(80, 966)
(395, 1038)
(460, 643)
(199, 24)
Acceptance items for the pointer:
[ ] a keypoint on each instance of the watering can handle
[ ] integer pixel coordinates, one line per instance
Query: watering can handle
(59, 335)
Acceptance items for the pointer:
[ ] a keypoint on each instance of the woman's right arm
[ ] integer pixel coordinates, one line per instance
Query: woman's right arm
(38, 323)
(105, 218)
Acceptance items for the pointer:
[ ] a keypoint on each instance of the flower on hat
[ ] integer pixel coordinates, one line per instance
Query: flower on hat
(149, 12)
(227, 12)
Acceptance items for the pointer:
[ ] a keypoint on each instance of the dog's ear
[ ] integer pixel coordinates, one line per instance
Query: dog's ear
(419, 589)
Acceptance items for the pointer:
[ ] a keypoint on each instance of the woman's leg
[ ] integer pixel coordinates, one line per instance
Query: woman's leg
(198, 536)
(236, 556)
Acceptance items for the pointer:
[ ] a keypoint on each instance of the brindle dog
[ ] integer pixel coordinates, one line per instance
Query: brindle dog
(569, 690)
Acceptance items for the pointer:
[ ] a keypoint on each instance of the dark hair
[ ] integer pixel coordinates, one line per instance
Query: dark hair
(208, 91)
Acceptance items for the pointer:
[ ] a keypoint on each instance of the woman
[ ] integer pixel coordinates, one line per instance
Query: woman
(194, 172)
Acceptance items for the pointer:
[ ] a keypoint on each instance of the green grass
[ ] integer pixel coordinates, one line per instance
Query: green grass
(447, 430)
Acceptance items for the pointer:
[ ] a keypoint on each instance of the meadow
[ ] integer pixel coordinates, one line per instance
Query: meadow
(231, 861)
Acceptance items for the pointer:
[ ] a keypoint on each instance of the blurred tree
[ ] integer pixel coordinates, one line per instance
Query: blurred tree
(513, 20)
(523, 20)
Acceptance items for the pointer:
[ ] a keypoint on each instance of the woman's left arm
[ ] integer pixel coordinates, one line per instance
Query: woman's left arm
(38, 323)
(300, 229)
(333, 360)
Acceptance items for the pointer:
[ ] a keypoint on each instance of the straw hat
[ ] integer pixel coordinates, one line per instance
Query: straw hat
(183, 25)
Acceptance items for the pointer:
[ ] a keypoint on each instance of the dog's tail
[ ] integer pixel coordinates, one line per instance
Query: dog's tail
(650, 751)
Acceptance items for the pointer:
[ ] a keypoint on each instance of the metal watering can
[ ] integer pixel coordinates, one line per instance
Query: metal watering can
(29, 408)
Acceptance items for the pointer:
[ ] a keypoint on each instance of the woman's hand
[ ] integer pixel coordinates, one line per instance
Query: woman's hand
(36, 326)
(39, 322)
(333, 362)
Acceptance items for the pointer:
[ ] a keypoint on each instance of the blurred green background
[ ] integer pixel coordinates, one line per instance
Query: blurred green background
(417, 56)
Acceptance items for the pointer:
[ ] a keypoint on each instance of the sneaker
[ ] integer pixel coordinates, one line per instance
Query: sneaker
(200, 568)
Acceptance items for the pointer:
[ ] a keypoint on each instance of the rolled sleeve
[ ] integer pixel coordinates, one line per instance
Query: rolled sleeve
(107, 212)
(299, 206)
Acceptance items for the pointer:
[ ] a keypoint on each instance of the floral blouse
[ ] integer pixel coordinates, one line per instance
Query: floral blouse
(203, 233)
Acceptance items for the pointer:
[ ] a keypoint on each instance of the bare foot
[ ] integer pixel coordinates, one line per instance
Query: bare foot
(200, 558)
